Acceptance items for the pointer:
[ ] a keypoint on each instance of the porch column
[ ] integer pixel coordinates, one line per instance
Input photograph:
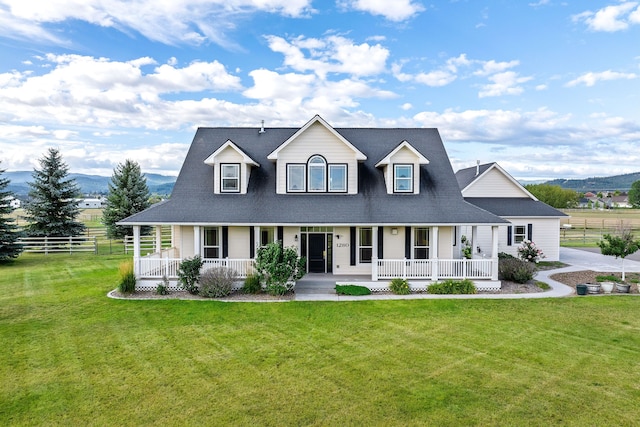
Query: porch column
(474, 240)
(434, 253)
(494, 251)
(196, 240)
(136, 250)
(158, 238)
(256, 239)
(374, 255)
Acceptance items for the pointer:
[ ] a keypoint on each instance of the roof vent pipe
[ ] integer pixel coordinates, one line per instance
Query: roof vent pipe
(477, 167)
(261, 127)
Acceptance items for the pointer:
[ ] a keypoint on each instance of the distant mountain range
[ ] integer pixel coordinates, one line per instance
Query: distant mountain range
(609, 183)
(89, 184)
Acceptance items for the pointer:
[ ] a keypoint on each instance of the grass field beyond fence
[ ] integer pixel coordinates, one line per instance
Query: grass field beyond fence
(72, 356)
(585, 227)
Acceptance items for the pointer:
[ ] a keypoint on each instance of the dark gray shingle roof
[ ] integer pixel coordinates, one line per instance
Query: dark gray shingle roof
(193, 200)
(515, 206)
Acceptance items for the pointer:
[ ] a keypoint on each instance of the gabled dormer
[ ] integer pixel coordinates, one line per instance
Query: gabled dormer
(316, 159)
(401, 168)
(231, 169)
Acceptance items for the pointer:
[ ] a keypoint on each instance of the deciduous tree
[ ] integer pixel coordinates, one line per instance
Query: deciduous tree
(634, 195)
(554, 195)
(53, 209)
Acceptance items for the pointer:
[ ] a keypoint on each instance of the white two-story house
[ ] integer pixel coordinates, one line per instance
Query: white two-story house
(374, 202)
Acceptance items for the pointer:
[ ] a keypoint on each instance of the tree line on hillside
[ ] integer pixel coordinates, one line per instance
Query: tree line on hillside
(52, 209)
(563, 198)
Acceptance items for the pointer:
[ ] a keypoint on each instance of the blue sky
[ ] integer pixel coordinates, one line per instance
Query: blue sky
(546, 88)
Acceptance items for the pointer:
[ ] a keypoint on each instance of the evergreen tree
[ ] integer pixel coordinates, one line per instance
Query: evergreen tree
(128, 195)
(52, 209)
(9, 232)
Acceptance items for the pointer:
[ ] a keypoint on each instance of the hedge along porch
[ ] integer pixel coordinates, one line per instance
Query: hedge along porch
(372, 202)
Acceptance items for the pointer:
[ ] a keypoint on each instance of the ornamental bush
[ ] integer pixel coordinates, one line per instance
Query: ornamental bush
(450, 286)
(529, 252)
(127, 283)
(399, 286)
(279, 267)
(217, 282)
(189, 274)
(516, 270)
(353, 290)
(252, 284)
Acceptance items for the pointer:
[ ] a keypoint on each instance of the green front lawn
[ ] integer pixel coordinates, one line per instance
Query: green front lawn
(71, 356)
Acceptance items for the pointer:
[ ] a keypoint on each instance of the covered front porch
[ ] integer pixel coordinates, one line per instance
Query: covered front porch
(165, 261)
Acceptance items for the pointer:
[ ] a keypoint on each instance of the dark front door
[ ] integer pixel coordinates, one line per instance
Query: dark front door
(317, 253)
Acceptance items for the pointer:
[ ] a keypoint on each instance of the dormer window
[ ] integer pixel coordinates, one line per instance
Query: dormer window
(317, 170)
(230, 177)
(403, 178)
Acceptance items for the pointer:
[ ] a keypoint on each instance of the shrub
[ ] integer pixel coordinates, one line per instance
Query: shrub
(127, 278)
(608, 278)
(504, 255)
(189, 274)
(466, 247)
(217, 282)
(543, 285)
(163, 287)
(352, 290)
(399, 286)
(252, 284)
(516, 270)
(528, 251)
(465, 286)
(279, 267)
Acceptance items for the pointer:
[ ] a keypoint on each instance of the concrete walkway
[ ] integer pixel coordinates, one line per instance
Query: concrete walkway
(321, 287)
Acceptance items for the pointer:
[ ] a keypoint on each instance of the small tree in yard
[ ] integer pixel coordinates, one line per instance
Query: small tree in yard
(279, 267)
(9, 233)
(53, 207)
(620, 245)
(189, 274)
(128, 195)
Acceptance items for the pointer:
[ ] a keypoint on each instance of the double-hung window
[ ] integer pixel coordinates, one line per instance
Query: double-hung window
(420, 243)
(230, 177)
(519, 233)
(211, 244)
(403, 178)
(365, 245)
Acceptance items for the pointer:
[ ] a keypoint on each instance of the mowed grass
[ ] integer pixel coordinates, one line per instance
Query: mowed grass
(72, 356)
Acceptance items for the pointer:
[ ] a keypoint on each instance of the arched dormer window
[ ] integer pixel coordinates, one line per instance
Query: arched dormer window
(317, 171)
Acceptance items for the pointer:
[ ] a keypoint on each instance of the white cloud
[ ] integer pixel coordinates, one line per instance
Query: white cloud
(589, 79)
(406, 106)
(507, 83)
(611, 18)
(333, 54)
(187, 21)
(398, 10)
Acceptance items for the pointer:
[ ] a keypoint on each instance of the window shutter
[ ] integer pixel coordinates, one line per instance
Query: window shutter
(530, 231)
(352, 245)
(509, 235)
(380, 239)
(281, 234)
(407, 242)
(252, 242)
(225, 242)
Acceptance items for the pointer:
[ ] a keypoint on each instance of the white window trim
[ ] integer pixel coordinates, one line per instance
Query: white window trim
(317, 166)
(360, 246)
(344, 182)
(415, 246)
(216, 246)
(304, 177)
(396, 178)
(236, 166)
(523, 235)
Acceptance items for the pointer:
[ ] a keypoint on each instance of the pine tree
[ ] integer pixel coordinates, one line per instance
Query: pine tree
(128, 195)
(9, 232)
(53, 206)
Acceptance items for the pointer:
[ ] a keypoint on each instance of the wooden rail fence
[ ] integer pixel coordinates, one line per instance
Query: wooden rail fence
(70, 244)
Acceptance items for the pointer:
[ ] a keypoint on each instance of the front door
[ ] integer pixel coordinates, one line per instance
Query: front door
(317, 253)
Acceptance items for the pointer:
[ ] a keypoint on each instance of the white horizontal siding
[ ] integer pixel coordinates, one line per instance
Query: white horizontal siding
(494, 184)
(404, 156)
(317, 140)
(229, 155)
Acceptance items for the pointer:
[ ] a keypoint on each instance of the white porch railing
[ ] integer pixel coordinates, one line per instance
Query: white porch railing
(154, 266)
(434, 269)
